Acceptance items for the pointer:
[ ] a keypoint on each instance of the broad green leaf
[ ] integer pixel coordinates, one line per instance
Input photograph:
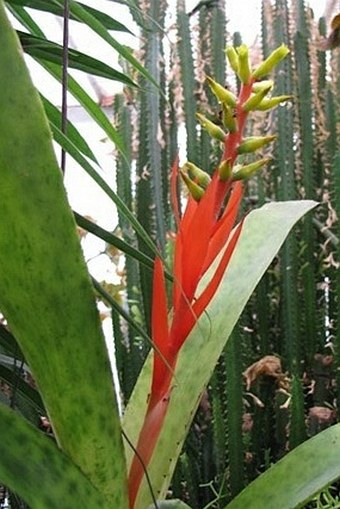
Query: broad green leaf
(43, 49)
(296, 478)
(48, 6)
(263, 233)
(32, 465)
(54, 116)
(46, 293)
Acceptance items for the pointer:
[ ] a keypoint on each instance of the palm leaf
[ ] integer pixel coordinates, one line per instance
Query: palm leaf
(42, 49)
(53, 8)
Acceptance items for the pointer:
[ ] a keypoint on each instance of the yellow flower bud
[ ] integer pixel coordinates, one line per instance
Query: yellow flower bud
(233, 58)
(268, 104)
(255, 99)
(244, 172)
(222, 94)
(214, 130)
(194, 189)
(253, 143)
(225, 169)
(268, 65)
(199, 176)
(229, 118)
(244, 72)
(260, 85)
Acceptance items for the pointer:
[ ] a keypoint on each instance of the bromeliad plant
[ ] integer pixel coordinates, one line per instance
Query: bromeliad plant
(47, 298)
(205, 231)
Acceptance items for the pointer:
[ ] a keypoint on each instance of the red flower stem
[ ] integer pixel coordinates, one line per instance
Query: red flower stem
(232, 141)
(148, 436)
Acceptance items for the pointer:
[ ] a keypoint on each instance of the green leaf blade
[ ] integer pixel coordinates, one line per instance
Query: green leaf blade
(46, 293)
(294, 480)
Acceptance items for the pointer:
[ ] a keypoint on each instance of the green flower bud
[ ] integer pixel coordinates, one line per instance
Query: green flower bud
(225, 169)
(268, 65)
(222, 94)
(228, 118)
(260, 85)
(199, 176)
(268, 104)
(233, 58)
(244, 72)
(255, 99)
(253, 143)
(214, 130)
(244, 172)
(196, 191)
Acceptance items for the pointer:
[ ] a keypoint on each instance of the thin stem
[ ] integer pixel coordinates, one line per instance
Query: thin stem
(66, 16)
(147, 477)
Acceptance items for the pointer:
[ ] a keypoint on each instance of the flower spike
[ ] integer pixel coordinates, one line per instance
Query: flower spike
(206, 232)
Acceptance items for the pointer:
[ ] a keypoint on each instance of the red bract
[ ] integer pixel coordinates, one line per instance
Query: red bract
(206, 235)
(201, 237)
